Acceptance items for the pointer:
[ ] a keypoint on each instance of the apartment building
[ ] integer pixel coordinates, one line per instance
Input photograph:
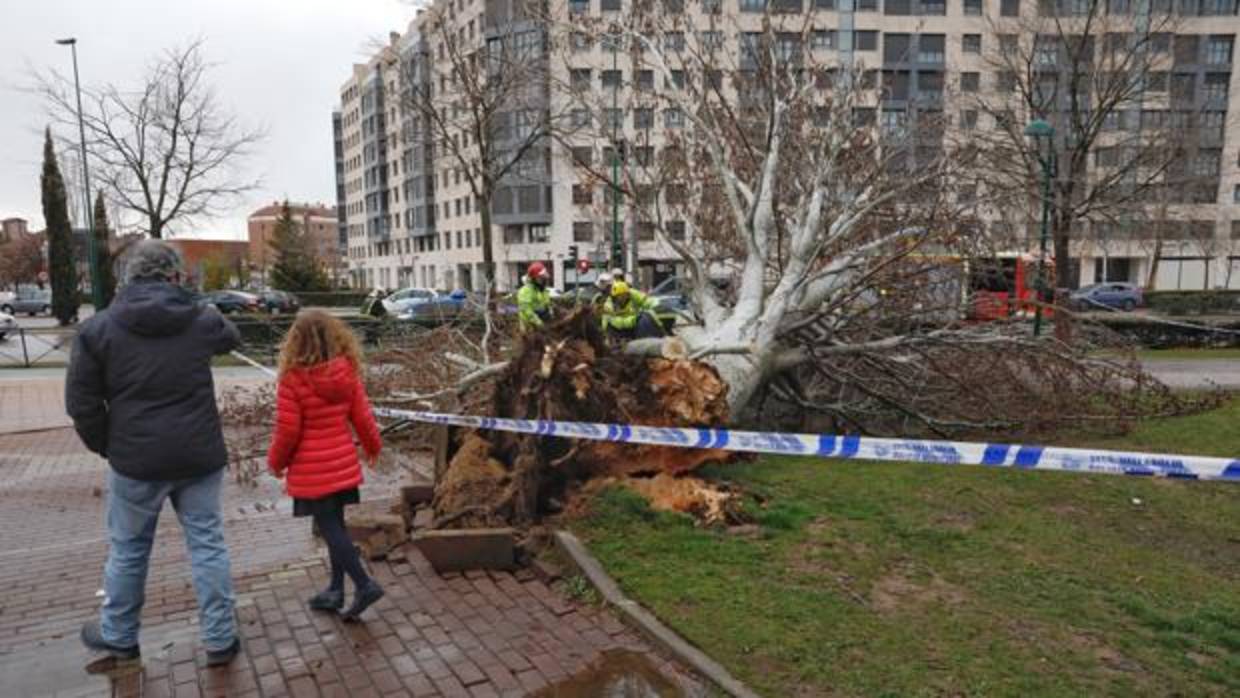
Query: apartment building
(410, 218)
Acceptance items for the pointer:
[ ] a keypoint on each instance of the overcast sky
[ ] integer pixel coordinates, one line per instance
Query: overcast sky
(280, 65)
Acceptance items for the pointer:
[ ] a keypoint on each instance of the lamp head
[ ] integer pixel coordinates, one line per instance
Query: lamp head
(67, 42)
(1039, 129)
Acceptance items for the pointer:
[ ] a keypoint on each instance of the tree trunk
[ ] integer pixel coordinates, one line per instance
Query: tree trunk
(1155, 259)
(488, 249)
(1063, 281)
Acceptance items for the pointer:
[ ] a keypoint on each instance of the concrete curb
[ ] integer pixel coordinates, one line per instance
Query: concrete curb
(645, 621)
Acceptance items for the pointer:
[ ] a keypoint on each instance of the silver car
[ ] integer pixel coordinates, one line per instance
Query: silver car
(30, 303)
(7, 324)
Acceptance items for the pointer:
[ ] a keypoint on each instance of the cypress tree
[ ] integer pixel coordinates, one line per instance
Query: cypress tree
(63, 271)
(103, 252)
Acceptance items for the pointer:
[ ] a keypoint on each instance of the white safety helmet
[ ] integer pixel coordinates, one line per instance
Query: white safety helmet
(604, 280)
(617, 274)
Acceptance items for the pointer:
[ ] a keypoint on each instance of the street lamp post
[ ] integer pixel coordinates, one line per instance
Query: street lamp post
(1043, 135)
(96, 292)
(617, 251)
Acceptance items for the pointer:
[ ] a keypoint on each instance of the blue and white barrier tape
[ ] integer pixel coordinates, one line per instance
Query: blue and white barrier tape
(996, 455)
(857, 447)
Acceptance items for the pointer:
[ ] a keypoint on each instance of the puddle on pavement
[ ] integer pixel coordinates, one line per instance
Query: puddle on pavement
(617, 675)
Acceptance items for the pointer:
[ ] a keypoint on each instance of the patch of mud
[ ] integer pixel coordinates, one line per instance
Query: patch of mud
(619, 674)
(710, 504)
(896, 592)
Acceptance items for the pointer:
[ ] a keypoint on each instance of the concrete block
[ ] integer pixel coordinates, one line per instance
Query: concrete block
(468, 549)
(374, 533)
(417, 494)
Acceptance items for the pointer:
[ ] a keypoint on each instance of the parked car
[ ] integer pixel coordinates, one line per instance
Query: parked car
(670, 296)
(7, 324)
(1123, 296)
(31, 302)
(441, 307)
(229, 302)
(279, 302)
(400, 301)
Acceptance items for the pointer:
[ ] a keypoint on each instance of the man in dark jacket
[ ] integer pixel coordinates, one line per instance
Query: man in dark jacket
(140, 392)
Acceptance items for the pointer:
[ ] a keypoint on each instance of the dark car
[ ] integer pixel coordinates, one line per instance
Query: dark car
(279, 302)
(229, 302)
(1108, 296)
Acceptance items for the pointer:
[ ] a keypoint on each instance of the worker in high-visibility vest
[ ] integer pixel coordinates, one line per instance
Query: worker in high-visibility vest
(603, 284)
(629, 313)
(534, 298)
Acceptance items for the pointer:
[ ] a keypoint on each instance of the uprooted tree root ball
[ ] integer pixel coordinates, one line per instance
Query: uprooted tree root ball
(569, 371)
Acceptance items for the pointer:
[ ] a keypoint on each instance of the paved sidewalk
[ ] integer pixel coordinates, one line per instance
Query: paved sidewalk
(464, 635)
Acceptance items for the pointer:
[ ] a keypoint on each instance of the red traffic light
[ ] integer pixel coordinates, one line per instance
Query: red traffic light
(583, 265)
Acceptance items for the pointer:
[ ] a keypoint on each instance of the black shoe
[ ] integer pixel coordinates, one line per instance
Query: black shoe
(92, 637)
(364, 598)
(224, 656)
(328, 600)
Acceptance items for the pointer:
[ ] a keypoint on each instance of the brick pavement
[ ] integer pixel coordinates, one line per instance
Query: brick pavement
(477, 634)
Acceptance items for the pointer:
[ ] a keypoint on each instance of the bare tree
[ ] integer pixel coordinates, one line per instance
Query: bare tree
(781, 183)
(166, 149)
(1102, 80)
(480, 107)
(21, 260)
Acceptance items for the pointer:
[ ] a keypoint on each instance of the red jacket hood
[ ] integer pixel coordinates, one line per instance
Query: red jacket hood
(334, 380)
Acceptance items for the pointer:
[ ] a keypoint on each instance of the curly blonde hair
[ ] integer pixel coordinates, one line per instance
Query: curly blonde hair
(317, 337)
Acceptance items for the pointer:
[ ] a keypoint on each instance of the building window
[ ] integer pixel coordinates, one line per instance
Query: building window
(674, 42)
(579, 78)
(1009, 8)
(1218, 50)
(973, 8)
(644, 155)
(968, 119)
(583, 231)
(613, 118)
(583, 194)
(645, 80)
(676, 230)
(930, 48)
(609, 5)
(970, 82)
(823, 39)
(867, 5)
(752, 5)
(579, 117)
(1215, 87)
(579, 41)
(514, 235)
(539, 233)
(579, 7)
(583, 155)
(971, 43)
(611, 78)
(643, 117)
(711, 39)
(676, 80)
(867, 40)
(673, 118)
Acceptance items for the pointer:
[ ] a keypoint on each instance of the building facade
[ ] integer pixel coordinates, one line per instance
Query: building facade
(409, 218)
(13, 228)
(318, 221)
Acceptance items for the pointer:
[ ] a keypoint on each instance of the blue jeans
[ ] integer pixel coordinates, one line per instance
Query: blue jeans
(133, 512)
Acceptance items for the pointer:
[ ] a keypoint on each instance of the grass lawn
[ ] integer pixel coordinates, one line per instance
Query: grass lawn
(903, 580)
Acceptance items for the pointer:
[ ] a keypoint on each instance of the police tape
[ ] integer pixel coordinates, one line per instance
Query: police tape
(996, 455)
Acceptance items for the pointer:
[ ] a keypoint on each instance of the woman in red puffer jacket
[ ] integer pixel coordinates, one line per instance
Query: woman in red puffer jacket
(319, 396)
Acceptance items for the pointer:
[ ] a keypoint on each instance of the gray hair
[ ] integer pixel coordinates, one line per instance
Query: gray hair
(151, 260)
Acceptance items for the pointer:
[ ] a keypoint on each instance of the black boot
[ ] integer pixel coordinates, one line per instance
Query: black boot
(92, 637)
(365, 596)
(328, 600)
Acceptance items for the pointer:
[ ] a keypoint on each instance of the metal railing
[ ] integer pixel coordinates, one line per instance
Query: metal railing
(26, 347)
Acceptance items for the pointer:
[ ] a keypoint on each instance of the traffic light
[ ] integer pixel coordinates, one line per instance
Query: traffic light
(572, 252)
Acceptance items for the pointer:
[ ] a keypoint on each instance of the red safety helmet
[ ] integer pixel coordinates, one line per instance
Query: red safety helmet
(537, 271)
